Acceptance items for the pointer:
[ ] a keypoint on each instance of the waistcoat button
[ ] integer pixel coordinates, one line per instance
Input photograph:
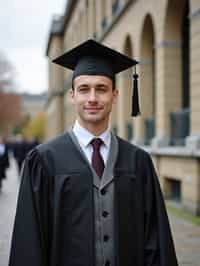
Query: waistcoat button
(106, 238)
(103, 191)
(105, 213)
(107, 263)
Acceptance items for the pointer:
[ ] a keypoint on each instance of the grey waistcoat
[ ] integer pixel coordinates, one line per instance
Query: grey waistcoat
(104, 206)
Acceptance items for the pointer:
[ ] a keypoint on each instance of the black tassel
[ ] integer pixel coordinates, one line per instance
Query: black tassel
(135, 97)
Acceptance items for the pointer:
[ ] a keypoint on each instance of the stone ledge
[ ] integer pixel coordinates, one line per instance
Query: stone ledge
(173, 151)
(193, 142)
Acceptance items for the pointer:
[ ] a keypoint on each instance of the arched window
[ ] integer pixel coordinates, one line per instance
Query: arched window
(186, 56)
(177, 64)
(127, 90)
(147, 80)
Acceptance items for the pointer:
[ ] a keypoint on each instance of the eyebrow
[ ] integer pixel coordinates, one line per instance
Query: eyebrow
(95, 85)
(83, 85)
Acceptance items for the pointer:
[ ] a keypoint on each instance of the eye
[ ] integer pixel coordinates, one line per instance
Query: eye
(83, 89)
(101, 89)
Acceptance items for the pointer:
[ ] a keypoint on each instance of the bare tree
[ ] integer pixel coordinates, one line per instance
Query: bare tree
(7, 74)
(10, 111)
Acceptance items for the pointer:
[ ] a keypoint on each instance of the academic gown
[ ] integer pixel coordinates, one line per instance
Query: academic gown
(54, 223)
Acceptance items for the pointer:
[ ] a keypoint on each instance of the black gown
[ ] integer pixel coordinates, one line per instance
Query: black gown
(54, 224)
(4, 164)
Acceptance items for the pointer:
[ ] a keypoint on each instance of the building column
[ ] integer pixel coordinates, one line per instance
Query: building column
(168, 88)
(145, 100)
(121, 114)
(122, 2)
(193, 141)
(113, 118)
(109, 10)
(55, 106)
(55, 116)
(90, 19)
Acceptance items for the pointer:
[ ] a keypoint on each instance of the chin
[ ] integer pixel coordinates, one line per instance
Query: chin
(93, 118)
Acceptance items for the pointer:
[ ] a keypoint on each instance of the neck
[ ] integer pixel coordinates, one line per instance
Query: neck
(95, 129)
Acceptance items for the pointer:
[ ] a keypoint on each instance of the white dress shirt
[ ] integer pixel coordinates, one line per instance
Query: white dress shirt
(84, 138)
(2, 149)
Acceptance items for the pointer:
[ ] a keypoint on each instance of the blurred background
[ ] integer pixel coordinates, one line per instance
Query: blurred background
(24, 30)
(164, 36)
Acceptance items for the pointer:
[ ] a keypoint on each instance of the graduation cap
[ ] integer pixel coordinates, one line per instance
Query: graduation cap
(93, 58)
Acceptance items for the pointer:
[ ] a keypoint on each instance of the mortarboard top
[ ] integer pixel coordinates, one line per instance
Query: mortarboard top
(93, 58)
(91, 48)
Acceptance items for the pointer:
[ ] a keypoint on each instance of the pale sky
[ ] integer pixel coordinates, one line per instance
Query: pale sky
(24, 28)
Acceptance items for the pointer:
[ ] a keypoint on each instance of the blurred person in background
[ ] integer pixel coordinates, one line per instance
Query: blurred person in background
(4, 160)
(19, 151)
(20, 147)
(32, 143)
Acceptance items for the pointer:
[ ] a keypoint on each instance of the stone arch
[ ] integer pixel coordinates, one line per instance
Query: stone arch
(127, 90)
(146, 128)
(175, 47)
(185, 32)
(115, 114)
(173, 20)
(121, 119)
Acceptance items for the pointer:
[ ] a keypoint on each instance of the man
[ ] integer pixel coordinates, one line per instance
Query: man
(4, 160)
(89, 198)
(19, 151)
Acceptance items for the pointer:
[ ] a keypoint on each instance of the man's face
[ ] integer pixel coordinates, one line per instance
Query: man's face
(93, 97)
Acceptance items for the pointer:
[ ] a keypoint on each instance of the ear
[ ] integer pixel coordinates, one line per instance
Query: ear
(71, 94)
(115, 95)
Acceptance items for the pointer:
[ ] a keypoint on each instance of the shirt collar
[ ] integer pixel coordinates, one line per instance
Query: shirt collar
(85, 137)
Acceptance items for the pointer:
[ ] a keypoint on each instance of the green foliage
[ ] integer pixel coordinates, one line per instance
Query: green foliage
(20, 126)
(182, 214)
(35, 127)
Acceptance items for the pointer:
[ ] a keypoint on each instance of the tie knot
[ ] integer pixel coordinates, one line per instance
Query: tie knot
(96, 143)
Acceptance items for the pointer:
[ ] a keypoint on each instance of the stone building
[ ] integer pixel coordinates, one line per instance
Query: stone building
(164, 36)
(32, 104)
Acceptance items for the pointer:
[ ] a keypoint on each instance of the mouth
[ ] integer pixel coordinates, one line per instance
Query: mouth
(93, 109)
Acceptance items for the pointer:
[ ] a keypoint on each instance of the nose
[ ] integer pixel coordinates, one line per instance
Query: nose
(92, 96)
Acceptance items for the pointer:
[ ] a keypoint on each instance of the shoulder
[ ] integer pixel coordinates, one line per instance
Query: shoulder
(54, 153)
(133, 157)
(55, 147)
(127, 147)
(44, 154)
(53, 144)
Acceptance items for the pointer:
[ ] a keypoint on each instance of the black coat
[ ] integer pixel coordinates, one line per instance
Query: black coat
(54, 224)
(4, 163)
(19, 151)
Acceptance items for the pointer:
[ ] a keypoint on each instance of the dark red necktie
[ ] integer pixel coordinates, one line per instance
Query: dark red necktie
(97, 160)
